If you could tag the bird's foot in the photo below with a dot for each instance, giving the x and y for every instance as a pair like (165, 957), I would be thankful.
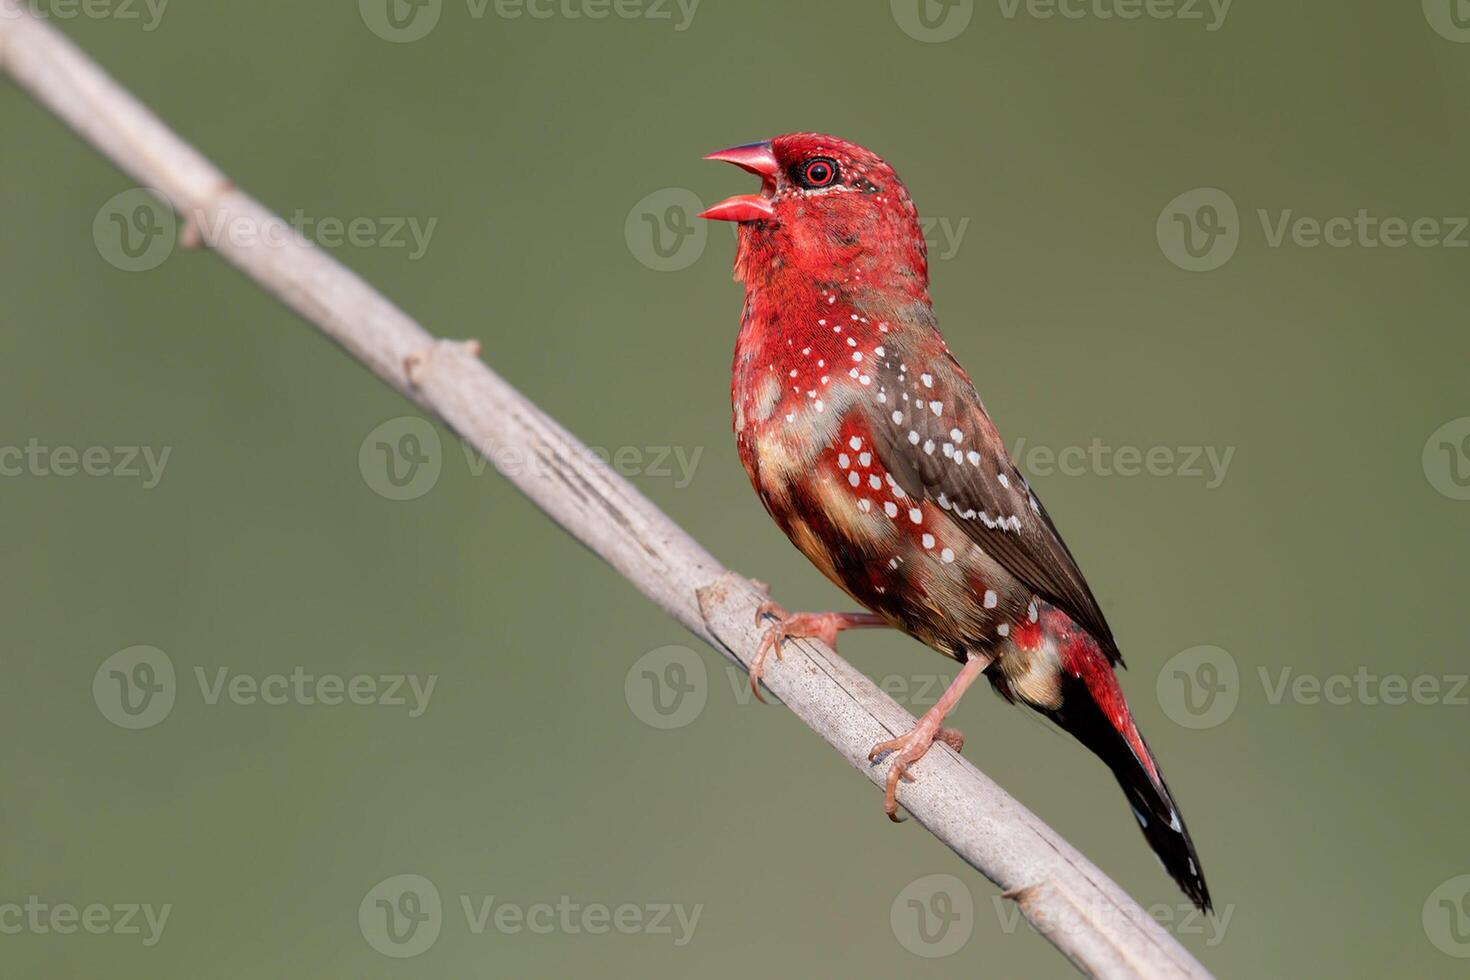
(909, 749)
(796, 626)
(912, 747)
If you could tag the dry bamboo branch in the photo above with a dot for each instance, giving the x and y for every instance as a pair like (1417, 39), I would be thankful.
(1073, 904)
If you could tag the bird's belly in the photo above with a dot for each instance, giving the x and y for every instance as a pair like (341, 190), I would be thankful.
(903, 558)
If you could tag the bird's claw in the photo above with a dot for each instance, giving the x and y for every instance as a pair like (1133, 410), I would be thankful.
(798, 626)
(910, 748)
(788, 626)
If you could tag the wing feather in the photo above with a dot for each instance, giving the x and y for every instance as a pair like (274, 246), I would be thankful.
(933, 434)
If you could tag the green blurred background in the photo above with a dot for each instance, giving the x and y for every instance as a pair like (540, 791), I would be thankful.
(549, 151)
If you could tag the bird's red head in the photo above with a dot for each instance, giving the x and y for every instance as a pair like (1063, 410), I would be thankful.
(828, 210)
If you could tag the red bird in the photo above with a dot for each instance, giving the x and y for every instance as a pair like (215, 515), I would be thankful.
(867, 443)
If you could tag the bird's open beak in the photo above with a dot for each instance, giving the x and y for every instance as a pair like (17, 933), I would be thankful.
(759, 160)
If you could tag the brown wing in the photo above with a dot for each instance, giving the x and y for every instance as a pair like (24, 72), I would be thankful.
(933, 435)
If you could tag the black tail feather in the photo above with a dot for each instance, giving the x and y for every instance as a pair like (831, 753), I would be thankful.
(1132, 763)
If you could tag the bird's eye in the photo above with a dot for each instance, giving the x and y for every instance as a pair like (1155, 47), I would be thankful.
(818, 172)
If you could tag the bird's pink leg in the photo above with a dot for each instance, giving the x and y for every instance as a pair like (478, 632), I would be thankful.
(910, 748)
(795, 626)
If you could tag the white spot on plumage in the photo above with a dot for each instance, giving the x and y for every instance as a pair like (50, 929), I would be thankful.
(947, 554)
(928, 380)
(929, 446)
(916, 515)
(897, 418)
(843, 460)
(928, 540)
(865, 505)
(957, 435)
(1003, 480)
(874, 482)
(855, 443)
(890, 508)
(991, 599)
(913, 437)
(865, 459)
(1004, 629)
(973, 457)
(854, 479)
